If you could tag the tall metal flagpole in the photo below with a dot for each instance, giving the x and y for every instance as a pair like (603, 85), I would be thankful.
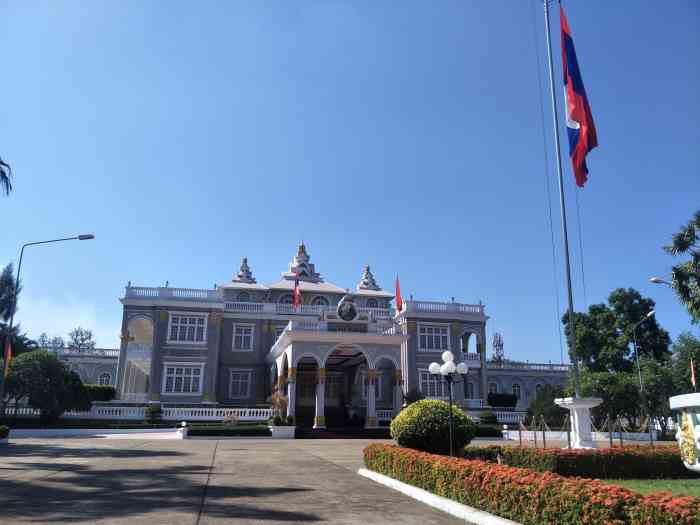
(555, 113)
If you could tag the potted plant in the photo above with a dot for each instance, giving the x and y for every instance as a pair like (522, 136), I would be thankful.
(4, 434)
(282, 428)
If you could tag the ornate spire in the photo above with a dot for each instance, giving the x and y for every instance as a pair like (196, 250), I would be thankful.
(302, 266)
(244, 275)
(367, 281)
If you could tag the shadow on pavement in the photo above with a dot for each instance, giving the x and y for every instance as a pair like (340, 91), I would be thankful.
(16, 450)
(72, 493)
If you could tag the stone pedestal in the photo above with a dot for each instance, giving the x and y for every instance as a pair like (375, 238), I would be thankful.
(580, 412)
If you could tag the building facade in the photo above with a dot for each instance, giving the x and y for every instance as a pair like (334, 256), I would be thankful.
(95, 366)
(340, 357)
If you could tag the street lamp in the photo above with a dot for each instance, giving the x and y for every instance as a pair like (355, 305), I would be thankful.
(639, 368)
(13, 303)
(659, 280)
(449, 371)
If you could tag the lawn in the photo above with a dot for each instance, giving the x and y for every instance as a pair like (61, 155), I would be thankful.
(681, 487)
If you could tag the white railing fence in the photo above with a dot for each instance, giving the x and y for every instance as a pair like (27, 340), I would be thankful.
(137, 413)
(385, 415)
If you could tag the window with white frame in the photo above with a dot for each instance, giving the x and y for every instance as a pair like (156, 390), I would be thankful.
(493, 388)
(372, 303)
(240, 383)
(469, 390)
(377, 386)
(182, 378)
(432, 385)
(104, 379)
(433, 337)
(187, 328)
(516, 390)
(243, 337)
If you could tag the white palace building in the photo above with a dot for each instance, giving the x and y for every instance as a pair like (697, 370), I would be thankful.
(342, 356)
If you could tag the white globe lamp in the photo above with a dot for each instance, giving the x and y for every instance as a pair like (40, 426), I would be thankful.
(462, 368)
(448, 356)
(434, 368)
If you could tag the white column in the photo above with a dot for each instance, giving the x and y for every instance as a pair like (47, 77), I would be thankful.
(398, 392)
(320, 418)
(291, 392)
(371, 420)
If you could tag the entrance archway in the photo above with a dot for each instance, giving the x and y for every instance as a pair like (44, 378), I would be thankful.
(307, 378)
(347, 376)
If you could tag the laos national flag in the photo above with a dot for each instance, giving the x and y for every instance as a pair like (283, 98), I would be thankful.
(579, 120)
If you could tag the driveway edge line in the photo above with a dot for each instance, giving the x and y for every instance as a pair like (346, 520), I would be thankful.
(465, 512)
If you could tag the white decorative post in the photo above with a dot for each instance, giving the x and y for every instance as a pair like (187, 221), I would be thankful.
(398, 392)
(320, 418)
(580, 411)
(291, 392)
(371, 420)
(449, 371)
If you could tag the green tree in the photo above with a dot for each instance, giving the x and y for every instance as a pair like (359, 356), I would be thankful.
(619, 392)
(685, 277)
(5, 177)
(7, 292)
(81, 339)
(604, 335)
(686, 347)
(543, 405)
(46, 384)
(658, 387)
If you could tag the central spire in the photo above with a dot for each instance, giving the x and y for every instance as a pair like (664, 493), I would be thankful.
(302, 267)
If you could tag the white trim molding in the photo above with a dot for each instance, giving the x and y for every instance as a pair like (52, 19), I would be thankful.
(188, 315)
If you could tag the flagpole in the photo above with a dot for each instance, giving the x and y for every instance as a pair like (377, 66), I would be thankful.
(555, 113)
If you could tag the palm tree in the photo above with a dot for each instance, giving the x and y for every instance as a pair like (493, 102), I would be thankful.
(5, 177)
(686, 276)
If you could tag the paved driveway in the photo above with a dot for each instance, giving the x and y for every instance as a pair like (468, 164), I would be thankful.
(197, 482)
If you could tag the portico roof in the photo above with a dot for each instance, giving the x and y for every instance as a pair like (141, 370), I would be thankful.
(307, 286)
(244, 286)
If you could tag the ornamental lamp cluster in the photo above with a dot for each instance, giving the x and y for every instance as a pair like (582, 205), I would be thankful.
(448, 367)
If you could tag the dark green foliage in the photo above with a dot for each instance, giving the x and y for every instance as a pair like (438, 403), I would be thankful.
(102, 393)
(495, 399)
(632, 462)
(686, 347)
(487, 431)
(153, 413)
(290, 421)
(277, 421)
(619, 392)
(424, 425)
(5, 177)
(543, 406)
(604, 334)
(487, 417)
(47, 384)
(7, 287)
(685, 277)
(4, 431)
(412, 396)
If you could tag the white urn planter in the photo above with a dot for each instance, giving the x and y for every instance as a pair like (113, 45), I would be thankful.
(286, 432)
(580, 411)
(688, 428)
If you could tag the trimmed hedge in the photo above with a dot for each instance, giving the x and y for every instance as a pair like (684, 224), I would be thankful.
(487, 417)
(424, 425)
(634, 462)
(501, 400)
(4, 431)
(100, 392)
(488, 431)
(529, 497)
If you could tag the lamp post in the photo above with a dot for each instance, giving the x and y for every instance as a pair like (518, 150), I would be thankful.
(449, 371)
(659, 280)
(13, 303)
(639, 368)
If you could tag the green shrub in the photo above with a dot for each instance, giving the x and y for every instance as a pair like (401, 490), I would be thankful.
(290, 421)
(153, 413)
(488, 431)
(634, 462)
(4, 431)
(102, 393)
(276, 421)
(529, 497)
(424, 425)
(502, 400)
(488, 418)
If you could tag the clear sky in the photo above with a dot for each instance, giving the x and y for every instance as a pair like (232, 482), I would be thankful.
(406, 135)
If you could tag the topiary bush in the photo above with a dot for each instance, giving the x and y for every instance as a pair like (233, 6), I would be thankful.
(4, 431)
(424, 425)
(488, 418)
(153, 413)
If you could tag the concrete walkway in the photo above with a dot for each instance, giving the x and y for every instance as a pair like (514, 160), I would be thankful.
(197, 481)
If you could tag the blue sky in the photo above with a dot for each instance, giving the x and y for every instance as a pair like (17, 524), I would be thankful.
(185, 135)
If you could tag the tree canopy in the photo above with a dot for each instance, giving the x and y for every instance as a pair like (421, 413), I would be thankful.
(5, 177)
(80, 339)
(685, 277)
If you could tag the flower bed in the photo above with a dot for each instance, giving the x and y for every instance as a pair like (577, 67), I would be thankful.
(635, 462)
(527, 496)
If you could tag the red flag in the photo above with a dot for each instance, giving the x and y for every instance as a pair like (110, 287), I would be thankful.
(399, 300)
(296, 300)
(8, 357)
(692, 375)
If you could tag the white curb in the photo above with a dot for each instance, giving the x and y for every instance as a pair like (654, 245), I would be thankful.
(469, 514)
